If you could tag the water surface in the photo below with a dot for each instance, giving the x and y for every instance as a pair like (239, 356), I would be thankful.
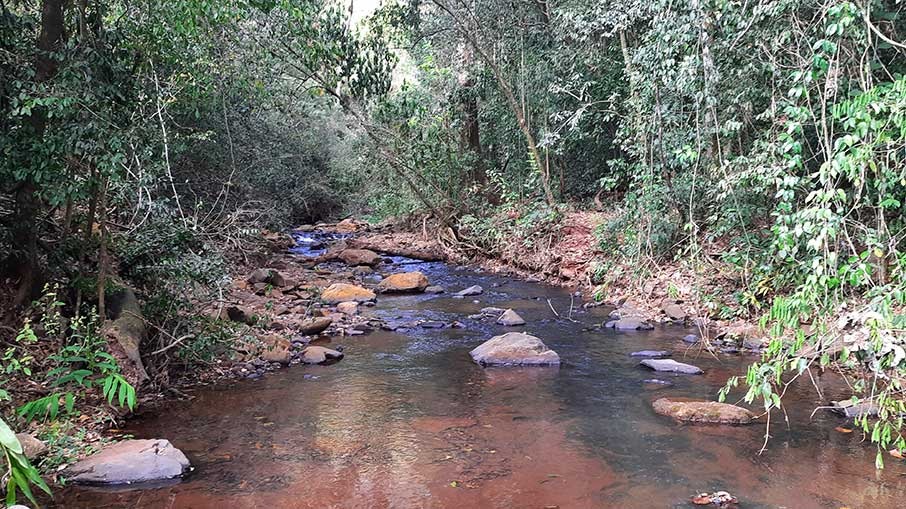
(406, 420)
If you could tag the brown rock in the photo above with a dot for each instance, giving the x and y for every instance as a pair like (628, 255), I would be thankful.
(360, 257)
(319, 355)
(703, 411)
(404, 282)
(276, 349)
(31, 446)
(314, 326)
(348, 308)
(343, 292)
(346, 226)
(241, 314)
(674, 311)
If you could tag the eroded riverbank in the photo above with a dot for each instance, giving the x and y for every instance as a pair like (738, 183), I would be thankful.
(406, 419)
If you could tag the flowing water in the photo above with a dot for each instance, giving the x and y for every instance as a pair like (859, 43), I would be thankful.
(406, 420)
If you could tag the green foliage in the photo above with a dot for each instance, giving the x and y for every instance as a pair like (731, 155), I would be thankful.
(20, 474)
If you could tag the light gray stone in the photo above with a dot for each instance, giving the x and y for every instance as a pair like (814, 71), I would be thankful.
(130, 461)
(514, 349)
(671, 366)
(510, 318)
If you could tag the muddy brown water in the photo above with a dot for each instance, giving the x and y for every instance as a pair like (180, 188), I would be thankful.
(406, 420)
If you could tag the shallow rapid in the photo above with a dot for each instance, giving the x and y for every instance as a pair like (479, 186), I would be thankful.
(407, 420)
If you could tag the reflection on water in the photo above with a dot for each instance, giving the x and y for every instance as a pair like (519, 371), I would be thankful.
(407, 421)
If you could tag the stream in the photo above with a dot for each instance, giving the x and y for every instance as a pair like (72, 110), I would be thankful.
(407, 420)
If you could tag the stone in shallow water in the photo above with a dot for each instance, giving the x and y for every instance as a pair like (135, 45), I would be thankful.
(130, 461)
(650, 353)
(510, 318)
(691, 338)
(849, 409)
(671, 366)
(514, 349)
(710, 412)
(404, 282)
(490, 310)
(470, 291)
(435, 289)
(319, 355)
(629, 324)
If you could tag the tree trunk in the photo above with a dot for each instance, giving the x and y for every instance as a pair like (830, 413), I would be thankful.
(512, 101)
(25, 230)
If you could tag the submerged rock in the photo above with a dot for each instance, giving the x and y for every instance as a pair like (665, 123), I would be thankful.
(650, 353)
(629, 324)
(671, 366)
(470, 291)
(319, 355)
(691, 338)
(514, 349)
(703, 411)
(314, 326)
(510, 318)
(403, 282)
(344, 292)
(435, 289)
(130, 461)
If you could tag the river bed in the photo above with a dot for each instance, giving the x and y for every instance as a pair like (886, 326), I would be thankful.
(406, 420)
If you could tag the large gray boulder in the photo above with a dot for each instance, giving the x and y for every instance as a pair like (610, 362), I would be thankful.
(130, 461)
(671, 366)
(514, 349)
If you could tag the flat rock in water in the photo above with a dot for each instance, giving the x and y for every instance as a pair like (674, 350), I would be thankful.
(403, 282)
(470, 291)
(344, 292)
(691, 338)
(434, 289)
(510, 318)
(130, 461)
(490, 310)
(849, 409)
(319, 355)
(514, 349)
(671, 366)
(710, 412)
(650, 353)
(629, 324)
(314, 326)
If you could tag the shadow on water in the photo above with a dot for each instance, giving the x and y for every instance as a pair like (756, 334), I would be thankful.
(406, 420)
